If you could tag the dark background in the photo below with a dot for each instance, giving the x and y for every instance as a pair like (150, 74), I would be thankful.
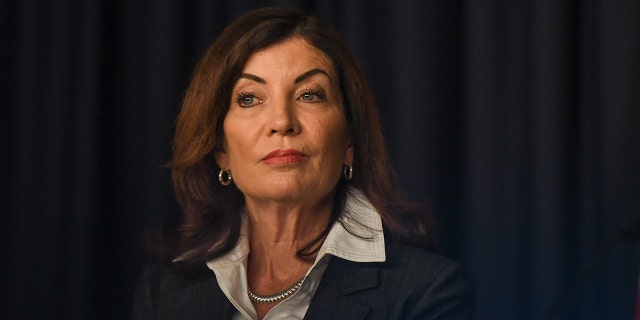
(517, 120)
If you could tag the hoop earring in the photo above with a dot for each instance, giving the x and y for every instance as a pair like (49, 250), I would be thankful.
(347, 172)
(225, 177)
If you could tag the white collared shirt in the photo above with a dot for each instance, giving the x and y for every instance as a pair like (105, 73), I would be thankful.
(366, 246)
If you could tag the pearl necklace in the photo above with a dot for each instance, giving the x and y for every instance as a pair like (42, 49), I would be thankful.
(276, 297)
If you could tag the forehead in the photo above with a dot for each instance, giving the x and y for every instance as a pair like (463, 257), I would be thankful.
(289, 56)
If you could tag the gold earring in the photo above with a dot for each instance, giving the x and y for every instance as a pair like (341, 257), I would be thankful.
(225, 177)
(347, 172)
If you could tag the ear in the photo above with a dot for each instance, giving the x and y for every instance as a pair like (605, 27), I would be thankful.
(222, 159)
(348, 155)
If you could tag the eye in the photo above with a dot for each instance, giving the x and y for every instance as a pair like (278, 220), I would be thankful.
(245, 99)
(312, 96)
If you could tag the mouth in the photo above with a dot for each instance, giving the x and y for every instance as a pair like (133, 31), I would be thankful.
(284, 156)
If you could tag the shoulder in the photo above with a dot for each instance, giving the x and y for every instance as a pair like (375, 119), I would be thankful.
(412, 283)
(162, 278)
(438, 287)
(424, 268)
(162, 293)
(409, 260)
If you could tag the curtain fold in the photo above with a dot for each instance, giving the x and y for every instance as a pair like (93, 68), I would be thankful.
(517, 121)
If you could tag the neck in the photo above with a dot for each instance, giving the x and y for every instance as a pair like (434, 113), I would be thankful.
(278, 231)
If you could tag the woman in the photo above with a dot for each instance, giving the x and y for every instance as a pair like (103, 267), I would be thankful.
(290, 206)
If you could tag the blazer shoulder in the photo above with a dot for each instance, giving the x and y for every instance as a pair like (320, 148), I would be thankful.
(164, 293)
(411, 283)
(413, 260)
(440, 287)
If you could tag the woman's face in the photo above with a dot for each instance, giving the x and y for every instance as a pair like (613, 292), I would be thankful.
(285, 132)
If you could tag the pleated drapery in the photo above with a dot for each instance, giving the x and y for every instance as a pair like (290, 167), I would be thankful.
(518, 121)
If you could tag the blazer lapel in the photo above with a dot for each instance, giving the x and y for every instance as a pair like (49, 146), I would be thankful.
(343, 291)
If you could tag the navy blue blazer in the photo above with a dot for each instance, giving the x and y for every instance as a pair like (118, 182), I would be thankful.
(411, 284)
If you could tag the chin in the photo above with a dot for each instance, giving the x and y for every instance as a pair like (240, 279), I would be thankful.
(290, 194)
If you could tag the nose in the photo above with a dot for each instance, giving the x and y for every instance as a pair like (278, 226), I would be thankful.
(284, 120)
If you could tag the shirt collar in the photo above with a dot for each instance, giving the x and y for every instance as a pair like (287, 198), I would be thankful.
(358, 237)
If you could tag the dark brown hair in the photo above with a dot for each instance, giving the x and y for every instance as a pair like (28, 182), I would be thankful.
(212, 219)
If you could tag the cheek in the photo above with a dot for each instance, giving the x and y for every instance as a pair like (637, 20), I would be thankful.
(235, 139)
(335, 137)
(339, 132)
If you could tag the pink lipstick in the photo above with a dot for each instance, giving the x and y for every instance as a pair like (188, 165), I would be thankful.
(284, 156)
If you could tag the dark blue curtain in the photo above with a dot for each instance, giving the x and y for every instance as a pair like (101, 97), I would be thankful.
(518, 121)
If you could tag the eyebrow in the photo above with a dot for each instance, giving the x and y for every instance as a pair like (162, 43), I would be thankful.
(253, 77)
(310, 73)
(299, 79)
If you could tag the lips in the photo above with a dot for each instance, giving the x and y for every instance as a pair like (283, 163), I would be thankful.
(284, 156)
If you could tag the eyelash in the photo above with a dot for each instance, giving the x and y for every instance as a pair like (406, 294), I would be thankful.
(320, 94)
(243, 95)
